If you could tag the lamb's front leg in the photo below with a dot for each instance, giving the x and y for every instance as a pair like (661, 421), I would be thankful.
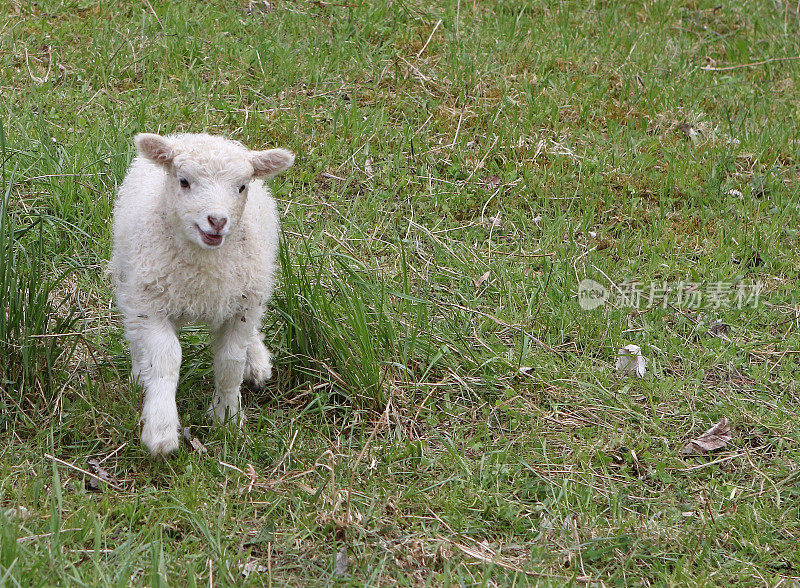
(230, 343)
(156, 361)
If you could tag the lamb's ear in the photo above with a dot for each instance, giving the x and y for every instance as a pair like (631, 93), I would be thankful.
(155, 147)
(271, 162)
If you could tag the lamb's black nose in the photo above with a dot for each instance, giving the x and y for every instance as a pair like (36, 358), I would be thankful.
(217, 223)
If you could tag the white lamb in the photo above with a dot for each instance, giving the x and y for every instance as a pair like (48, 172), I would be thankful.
(195, 240)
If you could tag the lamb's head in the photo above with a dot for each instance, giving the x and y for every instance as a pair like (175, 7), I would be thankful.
(207, 181)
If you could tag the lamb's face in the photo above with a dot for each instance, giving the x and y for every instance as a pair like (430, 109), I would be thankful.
(206, 207)
(208, 179)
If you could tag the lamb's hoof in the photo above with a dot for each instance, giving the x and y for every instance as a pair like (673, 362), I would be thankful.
(160, 442)
(258, 381)
(258, 368)
(222, 413)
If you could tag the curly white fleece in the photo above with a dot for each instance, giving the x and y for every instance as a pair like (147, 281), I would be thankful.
(195, 240)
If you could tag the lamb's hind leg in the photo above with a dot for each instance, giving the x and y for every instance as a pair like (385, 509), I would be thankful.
(258, 368)
(156, 360)
(230, 342)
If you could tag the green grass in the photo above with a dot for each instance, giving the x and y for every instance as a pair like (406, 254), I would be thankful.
(615, 141)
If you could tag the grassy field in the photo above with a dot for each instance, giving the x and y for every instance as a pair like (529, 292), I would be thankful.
(445, 412)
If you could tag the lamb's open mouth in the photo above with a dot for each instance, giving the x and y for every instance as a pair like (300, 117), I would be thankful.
(210, 239)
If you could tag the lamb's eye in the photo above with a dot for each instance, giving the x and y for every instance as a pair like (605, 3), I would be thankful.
(184, 183)
(242, 187)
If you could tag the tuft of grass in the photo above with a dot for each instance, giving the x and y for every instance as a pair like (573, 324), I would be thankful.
(331, 332)
(341, 338)
(36, 332)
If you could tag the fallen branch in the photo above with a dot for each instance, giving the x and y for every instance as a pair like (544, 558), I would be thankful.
(753, 64)
(84, 472)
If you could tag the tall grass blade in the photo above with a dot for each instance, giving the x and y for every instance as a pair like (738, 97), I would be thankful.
(31, 326)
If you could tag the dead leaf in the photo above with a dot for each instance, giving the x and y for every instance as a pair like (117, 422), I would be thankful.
(525, 371)
(482, 279)
(342, 562)
(19, 513)
(492, 222)
(251, 475)
(688, 131)
(258, 7)
(193, 442)
(251, 566)
(483, 552)
(99, 477)
(715, 438)
(719, 329)
(630, 360)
